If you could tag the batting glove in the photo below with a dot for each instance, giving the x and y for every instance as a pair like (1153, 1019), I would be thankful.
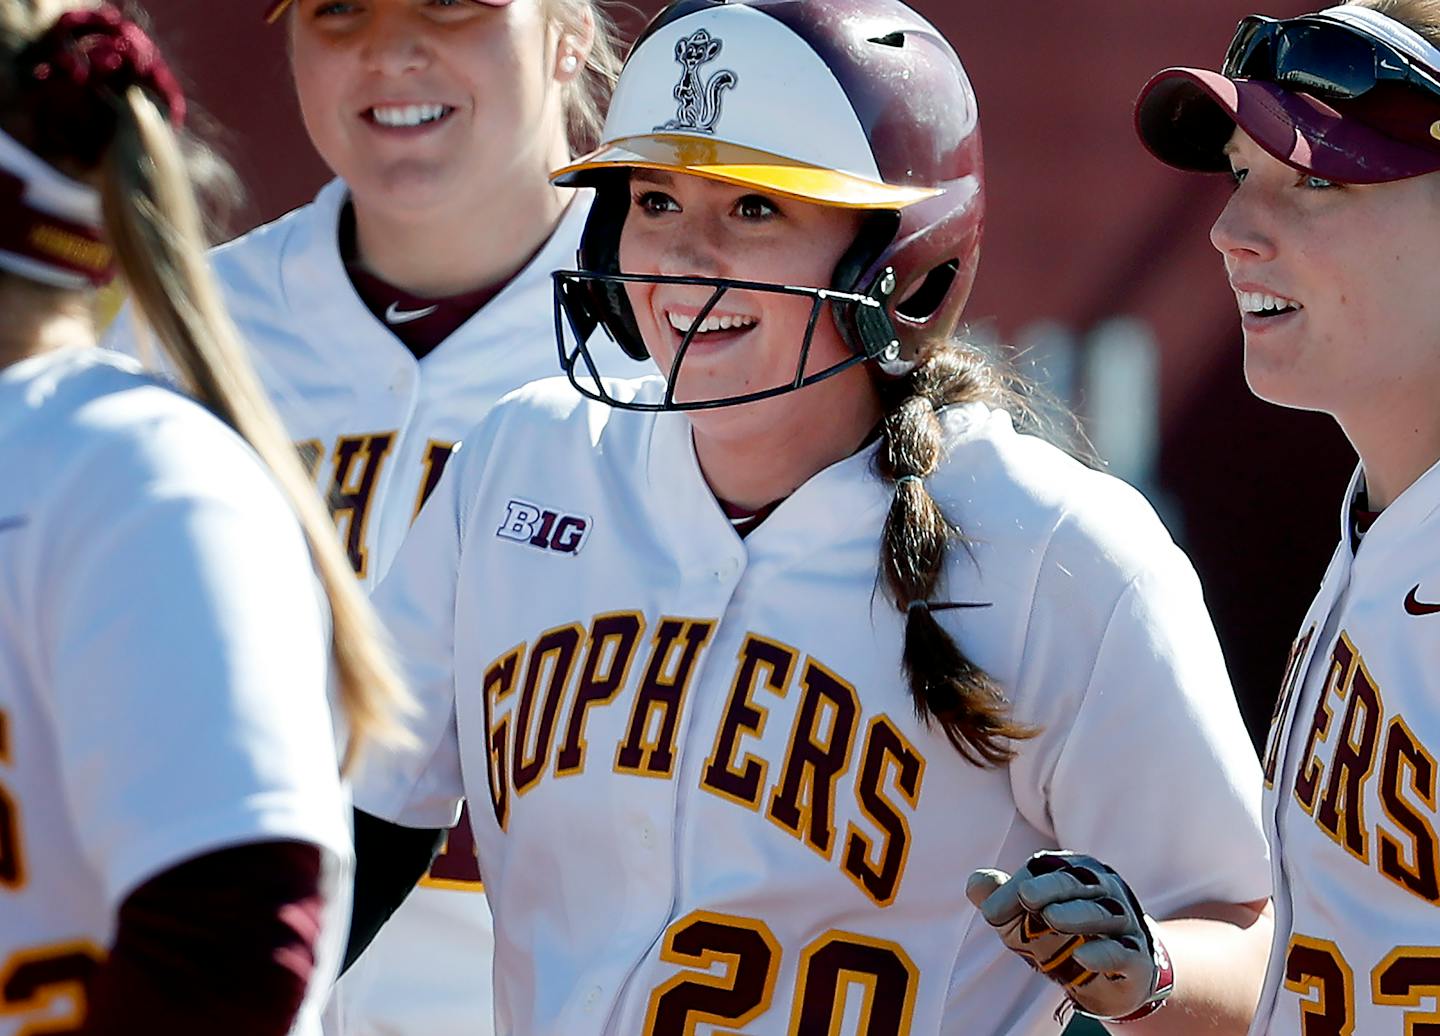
(1074, 920)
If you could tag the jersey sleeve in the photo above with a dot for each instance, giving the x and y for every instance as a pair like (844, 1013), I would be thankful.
(1142, 759)
(422, 787)
(187, 652)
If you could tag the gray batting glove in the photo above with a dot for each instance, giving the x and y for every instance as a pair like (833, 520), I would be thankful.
(1075, 920)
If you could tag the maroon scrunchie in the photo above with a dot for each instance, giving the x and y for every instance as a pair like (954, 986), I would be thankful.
(78, 71)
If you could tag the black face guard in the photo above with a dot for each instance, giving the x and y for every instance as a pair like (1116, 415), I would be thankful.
(575, 290)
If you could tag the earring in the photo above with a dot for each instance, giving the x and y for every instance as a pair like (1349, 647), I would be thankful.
(569, 63)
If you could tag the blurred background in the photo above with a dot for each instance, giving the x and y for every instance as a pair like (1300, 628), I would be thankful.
(1096, 265)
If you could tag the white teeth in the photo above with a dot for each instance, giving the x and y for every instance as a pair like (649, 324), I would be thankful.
(711, 323)
(1259, 302)
(408, 115)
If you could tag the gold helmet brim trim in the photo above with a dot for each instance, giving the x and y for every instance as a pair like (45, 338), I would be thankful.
(736, 164)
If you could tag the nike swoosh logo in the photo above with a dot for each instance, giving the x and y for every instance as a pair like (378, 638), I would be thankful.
(396, 315)
(18, 522)
(1415, 607)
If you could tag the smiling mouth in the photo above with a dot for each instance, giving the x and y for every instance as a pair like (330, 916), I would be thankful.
(1259, 304)
(712, 323)
(407, 116)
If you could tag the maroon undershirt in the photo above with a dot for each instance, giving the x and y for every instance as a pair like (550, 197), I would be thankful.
(223, 944)
(745, 521)
(1360, 522)
(421, 324)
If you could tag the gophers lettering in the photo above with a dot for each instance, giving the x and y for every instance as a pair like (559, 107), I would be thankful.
(538, 697)
(1349, 743)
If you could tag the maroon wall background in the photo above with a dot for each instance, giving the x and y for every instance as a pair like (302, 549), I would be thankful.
(1083, 226)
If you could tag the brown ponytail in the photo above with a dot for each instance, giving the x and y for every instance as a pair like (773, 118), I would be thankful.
(947, 687)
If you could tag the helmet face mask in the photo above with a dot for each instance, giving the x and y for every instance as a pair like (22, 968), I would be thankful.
(575, 291)
(856, 104)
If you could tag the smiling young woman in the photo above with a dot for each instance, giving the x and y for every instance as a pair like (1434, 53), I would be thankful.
(391, 312)
(1329, 124)
(815, 647)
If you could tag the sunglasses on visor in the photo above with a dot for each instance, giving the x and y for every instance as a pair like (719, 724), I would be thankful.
(1323, 58)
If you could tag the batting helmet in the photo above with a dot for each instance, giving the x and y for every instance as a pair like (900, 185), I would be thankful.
(859, 104)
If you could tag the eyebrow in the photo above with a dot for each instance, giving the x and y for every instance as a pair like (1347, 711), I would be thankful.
(652, 176)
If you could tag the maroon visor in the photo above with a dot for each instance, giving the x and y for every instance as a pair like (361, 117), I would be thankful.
(1186, 116)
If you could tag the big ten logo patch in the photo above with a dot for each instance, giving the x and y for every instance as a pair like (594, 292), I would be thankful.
(544, 527)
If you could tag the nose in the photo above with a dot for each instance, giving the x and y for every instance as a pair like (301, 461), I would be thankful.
(1241, 230)
(394, 44)
(698, 247)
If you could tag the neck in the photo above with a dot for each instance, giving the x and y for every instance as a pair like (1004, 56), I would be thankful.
(36, 324)
(753, 470)
(1395, 456)
(481, 245)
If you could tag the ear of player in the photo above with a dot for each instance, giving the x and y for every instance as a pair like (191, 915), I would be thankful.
(1076, 921)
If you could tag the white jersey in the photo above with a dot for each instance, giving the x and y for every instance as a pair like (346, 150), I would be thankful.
(699, 789)
(1350, 776)
(380, 425)
(164, 654)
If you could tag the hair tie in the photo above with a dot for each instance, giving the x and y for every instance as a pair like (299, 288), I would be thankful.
(80, 68)
(908, 478)
(944, 606)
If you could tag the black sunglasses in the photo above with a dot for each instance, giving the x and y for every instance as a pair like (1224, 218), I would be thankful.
(1321, 57)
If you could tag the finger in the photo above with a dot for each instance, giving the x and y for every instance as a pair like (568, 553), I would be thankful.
(1047, 861)
(1114, 960)
(994, 893)
(1039, 892)
(983, 883)
(1104, 916)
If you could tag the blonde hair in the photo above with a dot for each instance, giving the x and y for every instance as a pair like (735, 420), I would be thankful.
(1421, 15)
(587, 96)
(153, 220)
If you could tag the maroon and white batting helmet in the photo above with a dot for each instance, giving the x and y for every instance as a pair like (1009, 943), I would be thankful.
(858, 104)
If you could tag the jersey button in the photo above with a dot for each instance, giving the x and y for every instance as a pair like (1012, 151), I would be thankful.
(647, 835)
(729, 569)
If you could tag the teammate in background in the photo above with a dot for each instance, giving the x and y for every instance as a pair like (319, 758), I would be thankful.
(388, 315)
(1329, 124)
(746, 668)
(174, 852)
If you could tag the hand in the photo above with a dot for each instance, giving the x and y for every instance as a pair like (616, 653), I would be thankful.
(1075, 920)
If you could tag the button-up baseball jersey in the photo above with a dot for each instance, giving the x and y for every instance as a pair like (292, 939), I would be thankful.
(164, 654)
(700, 792)
(1350, 773)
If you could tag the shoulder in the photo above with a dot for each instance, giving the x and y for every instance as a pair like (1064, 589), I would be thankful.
(249, 266)
(99, 429)
(552, 408)
(547, 426)
(1003, 486)
(250, 271)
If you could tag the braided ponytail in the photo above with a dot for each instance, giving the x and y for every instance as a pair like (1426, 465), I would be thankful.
(947, 687)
